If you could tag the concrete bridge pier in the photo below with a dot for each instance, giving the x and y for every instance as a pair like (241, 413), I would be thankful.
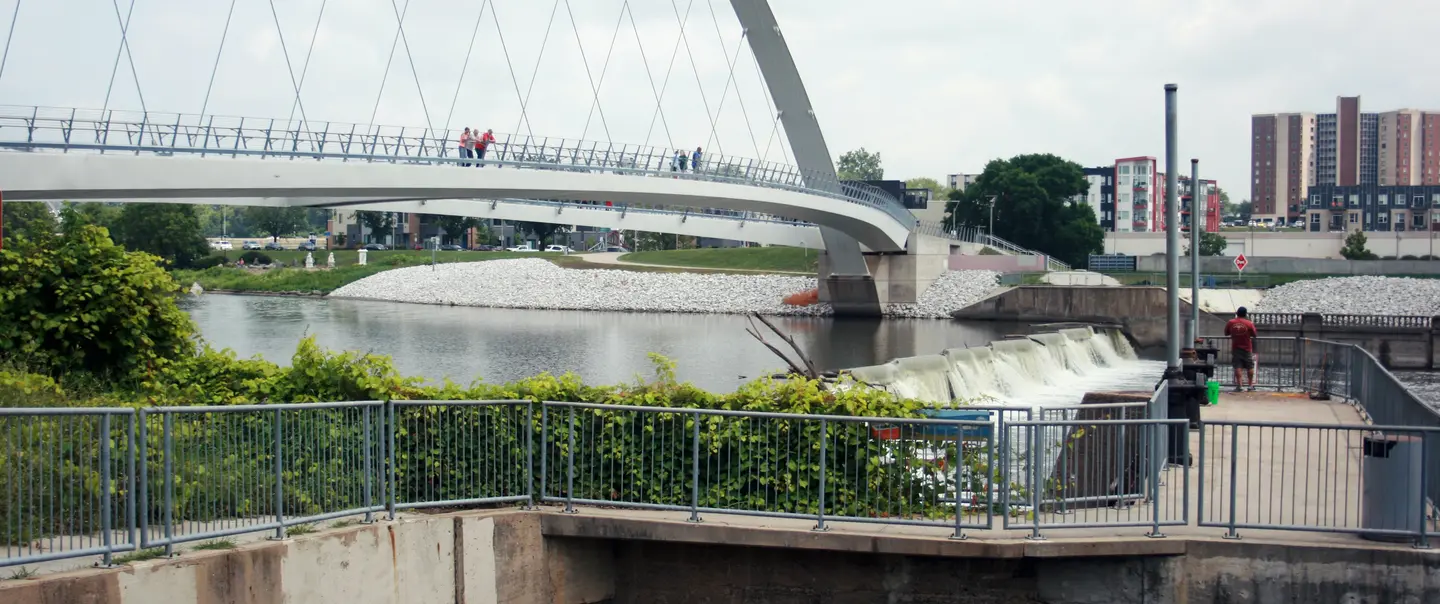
(894, 278)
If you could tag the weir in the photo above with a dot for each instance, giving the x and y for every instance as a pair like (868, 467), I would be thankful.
(1040, 369)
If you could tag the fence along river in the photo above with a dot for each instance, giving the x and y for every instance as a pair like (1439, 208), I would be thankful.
(1054, 368)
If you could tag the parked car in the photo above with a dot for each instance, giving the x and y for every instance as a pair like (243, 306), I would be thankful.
(487, 248)
(308, 246)
(274, 245)
(450, 247)
(250, 245)
(524, 248)
(221, 245)
(374, 247)
(563, 249)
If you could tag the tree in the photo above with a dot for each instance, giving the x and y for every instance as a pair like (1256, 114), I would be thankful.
(275, 221)
(1355, 247)
(377, 222)
(1034, 206)
(455, 226)
(83, 303)
(937, 190)
(103, 215)
(860, 165)
(1211, 244)
(168, 230)
(30, 219)
(541, 230)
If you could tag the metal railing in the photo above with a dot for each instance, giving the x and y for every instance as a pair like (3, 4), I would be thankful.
(1416, 322)
(975, 235)
(168, 134)
(98, 482)
(625, 208)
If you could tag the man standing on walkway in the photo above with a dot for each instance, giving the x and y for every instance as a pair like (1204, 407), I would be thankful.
(695, 161)
(484, 143)
(467, 144)
(1242, 348)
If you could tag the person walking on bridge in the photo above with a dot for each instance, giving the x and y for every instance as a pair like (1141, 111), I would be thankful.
(467, 146)
(482, 143)
(1242, 348)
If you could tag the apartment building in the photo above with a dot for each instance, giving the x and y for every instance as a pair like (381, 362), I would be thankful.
(1373, 208)
(1100, 196)
(960, 181)
(1129, 196)
(1293, 153)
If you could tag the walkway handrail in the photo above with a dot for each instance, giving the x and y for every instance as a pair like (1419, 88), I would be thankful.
(969, 234)
(69, 129)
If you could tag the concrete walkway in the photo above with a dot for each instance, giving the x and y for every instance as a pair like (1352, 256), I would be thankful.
(613, 258)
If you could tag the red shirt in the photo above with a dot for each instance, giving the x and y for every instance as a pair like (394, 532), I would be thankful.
(484, 140)
(1242, 334)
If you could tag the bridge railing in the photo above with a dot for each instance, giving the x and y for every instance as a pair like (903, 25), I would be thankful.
(84, 482)
(561, 204)
(969, 234)
(112, 131)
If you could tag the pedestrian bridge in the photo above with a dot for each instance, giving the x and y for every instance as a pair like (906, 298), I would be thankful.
(121, 156)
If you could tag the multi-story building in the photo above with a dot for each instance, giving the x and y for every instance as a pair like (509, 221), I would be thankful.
(1373, 207)
(1137, 207)
(960, 181)
(1101, 195)
(1291, 153)
(1209, 209)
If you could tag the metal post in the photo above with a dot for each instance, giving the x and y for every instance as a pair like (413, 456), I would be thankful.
(279, 478)
(1197, 230)
(1035, 482)
(545, 454)
(695, 471)
(959, 463)
(391, 458)
(570, 468)
(369, 516)
(1155, 469)
(130, 479)
(144, 505)
(1424, 541)
(1234, 476)
(824, 449)
(168, 436)
(1172, 240)
(530, 455)
(106, 537)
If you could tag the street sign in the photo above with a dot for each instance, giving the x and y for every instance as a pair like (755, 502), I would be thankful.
(1240, 262)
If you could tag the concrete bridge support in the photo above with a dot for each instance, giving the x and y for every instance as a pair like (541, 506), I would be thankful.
(896, 278)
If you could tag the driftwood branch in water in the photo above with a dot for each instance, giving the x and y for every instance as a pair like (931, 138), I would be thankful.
(808, 370)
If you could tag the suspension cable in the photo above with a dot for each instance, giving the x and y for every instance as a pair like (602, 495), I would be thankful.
(289, 67)
(386, 75)
(129, 56)
(115, 68)
(474, 32)
(305, 68)
(604, 68)
(514, 82)
(535, 73)
(668, 70)
(586, 61)
(224, 33)
(6, 56)
(648, 75)
(769, 103)
(699, 84)
(405, 41)
(734, 60)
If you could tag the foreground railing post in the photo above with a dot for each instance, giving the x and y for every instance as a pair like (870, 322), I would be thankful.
(695, 471)
(959, 463)
(391, 486)
(144, 505)
(1234, 477)
(545, 452)
(1035, 482)
(570, 467)
(130, 500)
(530, 455)
(824, 449)
(369, 501)
(1155, 469)
(278, 431)
(167, 434)
(1424, 541)
(106, 538)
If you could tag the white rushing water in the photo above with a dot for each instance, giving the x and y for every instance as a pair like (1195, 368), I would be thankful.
(1044, 369)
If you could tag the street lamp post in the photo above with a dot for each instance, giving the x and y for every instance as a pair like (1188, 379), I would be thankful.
(992, 214)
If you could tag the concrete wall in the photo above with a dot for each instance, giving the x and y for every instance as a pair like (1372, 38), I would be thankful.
(1004, 264)
(1290, 245)
(1139, 311)
(1225, 265)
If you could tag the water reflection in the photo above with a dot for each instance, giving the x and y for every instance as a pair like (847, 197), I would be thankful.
(499, 345)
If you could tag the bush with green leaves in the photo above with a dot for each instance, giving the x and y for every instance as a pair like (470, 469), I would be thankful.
(256, 257)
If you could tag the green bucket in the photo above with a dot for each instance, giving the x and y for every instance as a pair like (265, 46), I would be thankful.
(1212, 392)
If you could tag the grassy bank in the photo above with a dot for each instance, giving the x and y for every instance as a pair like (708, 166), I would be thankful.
(789, 259)
(293, 280)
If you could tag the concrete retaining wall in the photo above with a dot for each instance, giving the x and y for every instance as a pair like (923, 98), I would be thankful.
(1004, 264)
(1139, 311)
(1225, 265)
(1291, 245)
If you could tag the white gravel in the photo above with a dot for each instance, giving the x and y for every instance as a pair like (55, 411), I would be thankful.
(540, 284)
(1355, 296)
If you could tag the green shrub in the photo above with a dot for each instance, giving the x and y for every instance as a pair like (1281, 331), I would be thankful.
(209, 262)
(82, 303)
(256, 257)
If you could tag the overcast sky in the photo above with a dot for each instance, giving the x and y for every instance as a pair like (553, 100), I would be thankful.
(936, 86)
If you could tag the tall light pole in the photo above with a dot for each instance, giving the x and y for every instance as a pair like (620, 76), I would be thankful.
(992, 215)
(1172, 239)
(1197, 231)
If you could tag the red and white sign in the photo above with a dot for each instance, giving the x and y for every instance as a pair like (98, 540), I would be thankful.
(1240, 262)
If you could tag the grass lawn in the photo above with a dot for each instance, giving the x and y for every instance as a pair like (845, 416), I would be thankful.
(325, 281)
(791, 259)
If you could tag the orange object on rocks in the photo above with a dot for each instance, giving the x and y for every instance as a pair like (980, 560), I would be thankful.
(805, 298)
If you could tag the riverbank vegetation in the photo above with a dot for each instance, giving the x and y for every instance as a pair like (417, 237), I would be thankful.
(774, 258)
(85, 323)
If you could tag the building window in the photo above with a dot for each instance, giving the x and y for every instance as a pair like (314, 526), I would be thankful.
(1384, 199)
(1435, 199)
(1124, 215)
(1384, 219)
(1354, 200)
(1418, 201)
(1354, 218)
(1314, 218)
(1142, 169)
(1125, 168)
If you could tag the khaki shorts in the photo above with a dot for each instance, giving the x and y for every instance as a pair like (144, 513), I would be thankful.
(1242, 359)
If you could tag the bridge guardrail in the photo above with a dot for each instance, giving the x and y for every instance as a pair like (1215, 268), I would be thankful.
(68, 129)
(651, 209)
(970, 234)
(87, 482)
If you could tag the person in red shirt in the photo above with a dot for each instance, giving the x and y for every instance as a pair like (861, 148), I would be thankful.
(1242, 348)
(482, 143)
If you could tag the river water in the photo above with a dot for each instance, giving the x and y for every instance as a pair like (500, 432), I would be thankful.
(501, 345)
